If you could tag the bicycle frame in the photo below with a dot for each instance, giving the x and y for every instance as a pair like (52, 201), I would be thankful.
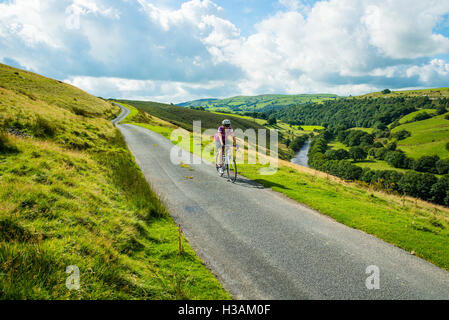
(227, 154)
(228, 163)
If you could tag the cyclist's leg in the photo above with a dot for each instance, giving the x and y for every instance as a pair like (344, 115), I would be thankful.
(220, 153)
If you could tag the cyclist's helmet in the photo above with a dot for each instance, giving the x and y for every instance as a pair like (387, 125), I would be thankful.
(226, 122)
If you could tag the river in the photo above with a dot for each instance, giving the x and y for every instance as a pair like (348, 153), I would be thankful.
(302, 157)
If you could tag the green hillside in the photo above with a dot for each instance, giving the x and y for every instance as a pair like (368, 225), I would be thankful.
(428, 137)
(258, 103)
(72, 195)
(435, 93)
(184, 117)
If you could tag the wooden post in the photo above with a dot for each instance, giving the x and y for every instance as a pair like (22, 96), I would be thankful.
(180, 247)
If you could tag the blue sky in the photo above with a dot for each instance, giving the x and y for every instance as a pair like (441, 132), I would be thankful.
(174, 50)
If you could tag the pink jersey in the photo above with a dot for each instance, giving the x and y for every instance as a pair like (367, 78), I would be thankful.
(224, 132)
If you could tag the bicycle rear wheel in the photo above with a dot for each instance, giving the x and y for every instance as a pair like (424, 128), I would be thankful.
(232, 170)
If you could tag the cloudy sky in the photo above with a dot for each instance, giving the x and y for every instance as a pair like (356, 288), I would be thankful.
(175, 51)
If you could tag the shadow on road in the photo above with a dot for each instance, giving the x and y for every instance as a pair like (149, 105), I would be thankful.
(248, 183)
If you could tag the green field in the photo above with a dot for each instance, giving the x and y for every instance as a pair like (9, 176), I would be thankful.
(378, 165)
(71, 194)
(428, 137)
(431, 93)
(367, 130)
(337, 145)
(410, 116)
(258, 103)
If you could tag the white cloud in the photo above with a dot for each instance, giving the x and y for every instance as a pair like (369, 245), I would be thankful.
(436, 69)
(142, 49)
(26, 20)
(336, 45)
(163, 91)
(291, 4)
(404, 28)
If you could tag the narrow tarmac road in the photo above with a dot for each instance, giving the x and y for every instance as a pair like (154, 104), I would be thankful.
(262, 245)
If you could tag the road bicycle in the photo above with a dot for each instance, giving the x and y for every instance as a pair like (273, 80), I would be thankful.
(229, 163)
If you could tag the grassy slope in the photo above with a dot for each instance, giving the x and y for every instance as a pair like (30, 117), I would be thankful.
(255, 103)
(429, 137)
(410, 116)
(71, 194)
(432, 93)
(184, 118)
(408, 223)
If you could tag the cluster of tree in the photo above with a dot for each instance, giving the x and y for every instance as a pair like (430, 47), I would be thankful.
(257, 115)
(398, 159)
(349, 113)
(299, 142)
(353, 138)
(425, 186)
(272, 121)
(197, 108)
(401, 135)
(421, 116)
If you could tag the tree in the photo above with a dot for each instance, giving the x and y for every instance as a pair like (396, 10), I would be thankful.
(442, 166)
(418, 185)
(348, 171)
(439, 191)
(378, 145)
(298, 142)
(357, 153)
(386, 91)
(272, 121)
(441, 110)
(421, 116)
(380, 153)
(426, 164)
(357, 137)
(392, 146)
(397, 159)
(401, 135)
(340, 154)
(380, 126)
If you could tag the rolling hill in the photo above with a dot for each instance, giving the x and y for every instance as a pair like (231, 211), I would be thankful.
(184, 117)
(434, 93)
(258, 103)
(428, 137)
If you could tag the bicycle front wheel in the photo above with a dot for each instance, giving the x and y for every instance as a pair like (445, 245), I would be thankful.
(232, 170)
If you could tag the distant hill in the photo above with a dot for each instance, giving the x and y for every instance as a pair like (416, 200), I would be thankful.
(431, 93)
(258, 103)
(197, 103)
(184, 117)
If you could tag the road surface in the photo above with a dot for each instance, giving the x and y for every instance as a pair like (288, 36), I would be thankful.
(262, 245)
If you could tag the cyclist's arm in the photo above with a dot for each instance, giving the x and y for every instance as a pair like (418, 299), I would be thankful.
(235, 140)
